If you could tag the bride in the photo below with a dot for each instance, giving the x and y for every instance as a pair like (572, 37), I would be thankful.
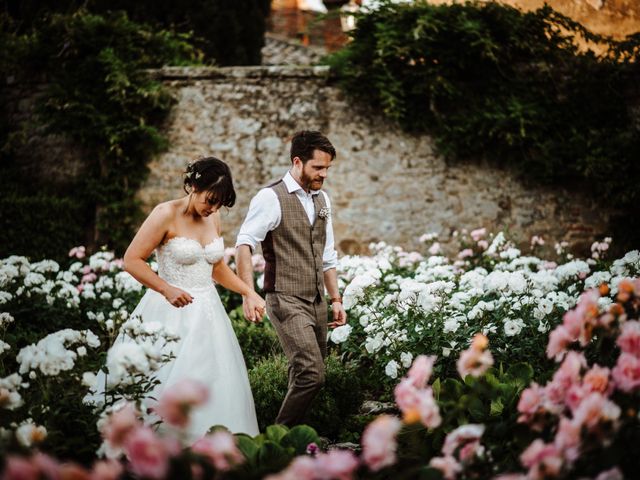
(185, 233)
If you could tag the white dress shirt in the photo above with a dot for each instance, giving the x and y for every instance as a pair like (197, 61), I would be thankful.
(265, 214)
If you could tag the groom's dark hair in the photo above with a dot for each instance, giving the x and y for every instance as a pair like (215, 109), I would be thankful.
(305, 142)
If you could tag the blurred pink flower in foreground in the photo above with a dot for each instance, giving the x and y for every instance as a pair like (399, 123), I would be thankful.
(448, 466)
(543, 460)
(120, 424)
(466, 440)
(335, 464)
(476, 359)
(379, 442)
(415, 398)
(148, 454)
(179, 399)
(220, 448)
(106, 470)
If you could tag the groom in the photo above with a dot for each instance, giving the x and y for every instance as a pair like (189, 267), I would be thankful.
(292, 220)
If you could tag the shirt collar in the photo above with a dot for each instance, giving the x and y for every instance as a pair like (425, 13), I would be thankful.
(293, 186)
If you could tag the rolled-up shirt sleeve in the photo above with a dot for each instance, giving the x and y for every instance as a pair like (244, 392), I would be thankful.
(263, 216)
(329, 255)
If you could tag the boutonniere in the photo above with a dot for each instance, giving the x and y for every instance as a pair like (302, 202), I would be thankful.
(325, 212)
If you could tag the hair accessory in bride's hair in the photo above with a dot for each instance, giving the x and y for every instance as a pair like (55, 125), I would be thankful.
(324, 212)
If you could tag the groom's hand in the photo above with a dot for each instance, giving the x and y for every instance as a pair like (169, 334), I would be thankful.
(253, 307)
(339, 315)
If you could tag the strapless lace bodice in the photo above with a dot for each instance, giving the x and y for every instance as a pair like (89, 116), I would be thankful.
(183, 262)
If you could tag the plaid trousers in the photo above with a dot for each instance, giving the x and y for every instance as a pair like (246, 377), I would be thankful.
(301, 326)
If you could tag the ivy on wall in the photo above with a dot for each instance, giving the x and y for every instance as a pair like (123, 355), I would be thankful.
(487, 80)
(98, 97)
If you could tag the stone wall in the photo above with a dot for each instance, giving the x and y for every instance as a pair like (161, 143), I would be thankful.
(385, 184)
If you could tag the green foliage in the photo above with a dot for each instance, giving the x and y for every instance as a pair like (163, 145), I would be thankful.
(340, 397)
(41, 226)
(257, 341)
(272, 450)
(228, 32)
(490, 400)
(100, 98)
(489, 81)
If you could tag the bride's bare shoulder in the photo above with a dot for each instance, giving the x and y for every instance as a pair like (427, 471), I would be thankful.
(165, 211)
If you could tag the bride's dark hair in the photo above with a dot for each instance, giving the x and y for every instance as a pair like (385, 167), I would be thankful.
(212, 175)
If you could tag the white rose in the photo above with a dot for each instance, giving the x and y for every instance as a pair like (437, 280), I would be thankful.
(341, 333)
(406, 358)
(29, 434)
(392, 369)
(89, 379)
(513, 327)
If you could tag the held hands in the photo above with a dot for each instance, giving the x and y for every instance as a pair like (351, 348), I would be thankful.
(177, 297)
(253, 307)
(339, 315)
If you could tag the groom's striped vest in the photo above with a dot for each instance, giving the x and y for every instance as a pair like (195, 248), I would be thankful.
(293, 250)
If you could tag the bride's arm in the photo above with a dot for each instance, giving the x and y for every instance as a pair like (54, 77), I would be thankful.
(150, 235)
(223, 275)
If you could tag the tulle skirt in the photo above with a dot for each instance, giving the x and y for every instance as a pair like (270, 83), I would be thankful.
(208, 352)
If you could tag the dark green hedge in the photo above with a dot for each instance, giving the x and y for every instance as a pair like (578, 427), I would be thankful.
(228, 32)
(40, 226)
(488, 81)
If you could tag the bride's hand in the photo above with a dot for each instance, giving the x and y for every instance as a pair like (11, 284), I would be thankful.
(177, 297)
(253, 307)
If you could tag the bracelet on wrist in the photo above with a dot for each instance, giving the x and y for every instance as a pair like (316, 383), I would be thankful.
(336, 300)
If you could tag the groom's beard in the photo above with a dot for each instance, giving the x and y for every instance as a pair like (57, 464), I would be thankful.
(311, 183)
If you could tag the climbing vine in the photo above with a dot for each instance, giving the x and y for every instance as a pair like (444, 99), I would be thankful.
(488, 81)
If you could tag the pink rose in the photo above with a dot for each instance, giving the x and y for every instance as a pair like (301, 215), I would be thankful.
(148, 455)
(447, 465)
(229, 253)
(559, 339)
(19, 468)
(566, 376)
(72, 471)
(567, 439)
(597, 380)
(89, 278)
(421, 370)
(177, 401)
(258, 263)
(379, 442)
(467, 252)
(594, 409)
(406, 396)
(220, 448)
(336, 464)
(572, 322)
(626, 373)
(428, 409)
(531, 402)
(629, 339)
(542, 460)
(474, 362)
(78, 252)
(483, 244)
(301, 468)
(464, 436)
(478, 233)
(119, 424)
(106, 470)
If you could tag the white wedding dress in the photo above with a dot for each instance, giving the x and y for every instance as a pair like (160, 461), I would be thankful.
(208, 350)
